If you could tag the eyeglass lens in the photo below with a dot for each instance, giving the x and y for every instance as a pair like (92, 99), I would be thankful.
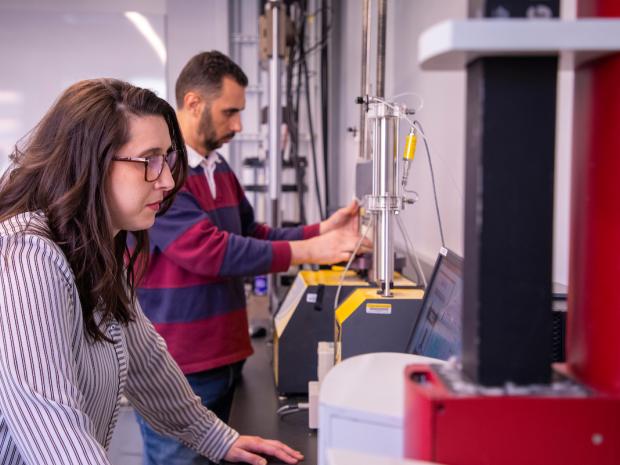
(155, 165)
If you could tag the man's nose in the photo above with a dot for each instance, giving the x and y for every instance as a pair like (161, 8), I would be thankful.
(235, 123)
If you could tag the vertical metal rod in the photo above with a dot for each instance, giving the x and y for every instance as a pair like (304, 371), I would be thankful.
(376, 175)
(387, 252)
(386, 190)
(275, 115)
(364, 90)
(381, 32)
(275, 124)
(235, 54)
(384, 186)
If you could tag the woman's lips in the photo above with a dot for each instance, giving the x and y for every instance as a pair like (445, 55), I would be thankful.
(153, 206)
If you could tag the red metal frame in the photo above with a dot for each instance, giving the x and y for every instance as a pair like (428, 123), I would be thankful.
(451, 429)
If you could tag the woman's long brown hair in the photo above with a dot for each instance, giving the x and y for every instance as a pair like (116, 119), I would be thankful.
(62, 171)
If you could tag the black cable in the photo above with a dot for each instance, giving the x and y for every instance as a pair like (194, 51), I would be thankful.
(292, 122)
(302, 67)
(430, 164)
(312, 142)
(324, 100)
(323, 39)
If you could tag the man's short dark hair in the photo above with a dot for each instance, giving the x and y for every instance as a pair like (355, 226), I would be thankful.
(205, 72)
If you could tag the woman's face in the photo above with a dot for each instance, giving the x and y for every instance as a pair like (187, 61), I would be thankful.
(133, 201)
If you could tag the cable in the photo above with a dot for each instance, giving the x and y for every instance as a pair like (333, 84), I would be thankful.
(430, 164)
(320, 43)
(324, 102)
(293, 121)
(351, 258)
(292, 408)
(414, 263)
(417, 125)
(312, 141)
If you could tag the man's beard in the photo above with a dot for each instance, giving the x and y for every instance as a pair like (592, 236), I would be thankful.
(210, 141)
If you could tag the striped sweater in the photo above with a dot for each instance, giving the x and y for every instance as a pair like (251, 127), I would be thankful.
(201, 249)
(59, 391)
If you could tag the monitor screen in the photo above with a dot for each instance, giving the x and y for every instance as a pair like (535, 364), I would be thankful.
(437, 333)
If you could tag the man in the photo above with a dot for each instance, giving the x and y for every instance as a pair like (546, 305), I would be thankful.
(208, 241)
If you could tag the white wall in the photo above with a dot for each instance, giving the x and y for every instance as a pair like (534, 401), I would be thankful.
(443, 118)
(46, 46)
(193, 26)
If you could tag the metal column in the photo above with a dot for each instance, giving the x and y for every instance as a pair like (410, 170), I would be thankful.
(275, 114)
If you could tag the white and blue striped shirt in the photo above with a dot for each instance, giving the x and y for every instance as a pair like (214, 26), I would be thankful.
(59, 390)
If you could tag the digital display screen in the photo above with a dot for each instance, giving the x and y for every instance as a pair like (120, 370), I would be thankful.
(437, 332)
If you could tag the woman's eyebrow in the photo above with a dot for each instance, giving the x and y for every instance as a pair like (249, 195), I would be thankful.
(153, 151)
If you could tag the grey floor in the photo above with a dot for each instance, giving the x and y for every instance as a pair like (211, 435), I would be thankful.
(126, 445)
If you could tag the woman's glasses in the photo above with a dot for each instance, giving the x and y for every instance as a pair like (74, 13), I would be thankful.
(153, 165)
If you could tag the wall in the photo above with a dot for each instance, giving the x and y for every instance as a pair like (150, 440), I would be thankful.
(46, 46)
(193, 26)
(443, 118)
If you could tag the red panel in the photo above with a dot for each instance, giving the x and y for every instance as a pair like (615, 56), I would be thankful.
(593, 348)
(418, 417)
(603, 8)
(607, 8)
(510, 430)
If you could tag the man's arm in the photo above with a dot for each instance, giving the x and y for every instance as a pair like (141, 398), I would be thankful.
(252, 228)
(187, 237)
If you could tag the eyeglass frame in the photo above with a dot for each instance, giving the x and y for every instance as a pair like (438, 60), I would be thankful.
(145, 160)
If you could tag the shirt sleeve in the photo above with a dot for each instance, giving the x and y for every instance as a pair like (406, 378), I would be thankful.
(39, 395)
(159, 391)
(252, 228)
(186, 236)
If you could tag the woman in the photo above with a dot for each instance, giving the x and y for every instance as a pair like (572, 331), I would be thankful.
(103, 161)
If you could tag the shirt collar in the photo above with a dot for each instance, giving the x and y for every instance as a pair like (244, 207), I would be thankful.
(194, 159)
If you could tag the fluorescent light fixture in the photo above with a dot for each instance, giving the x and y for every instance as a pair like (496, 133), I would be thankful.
(10, 97)
(143, 25)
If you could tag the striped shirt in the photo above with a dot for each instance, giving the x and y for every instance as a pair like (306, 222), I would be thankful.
(59, 390)
(201, 249)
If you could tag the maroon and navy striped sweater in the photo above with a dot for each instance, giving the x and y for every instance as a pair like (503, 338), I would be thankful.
(200, 251)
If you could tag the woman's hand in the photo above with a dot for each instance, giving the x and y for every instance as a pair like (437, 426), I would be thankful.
(246, 448)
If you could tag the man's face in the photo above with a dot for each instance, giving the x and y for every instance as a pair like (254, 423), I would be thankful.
(221, 119)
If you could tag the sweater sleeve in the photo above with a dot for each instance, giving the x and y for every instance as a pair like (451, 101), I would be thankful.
(187, 237)
(257, 230)
(160, 392)
(40, 399)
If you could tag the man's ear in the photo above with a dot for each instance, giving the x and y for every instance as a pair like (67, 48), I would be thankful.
(193, 102)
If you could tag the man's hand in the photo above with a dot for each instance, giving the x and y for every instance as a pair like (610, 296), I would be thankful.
(246, 448)
(333, 247)
(346, 217)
